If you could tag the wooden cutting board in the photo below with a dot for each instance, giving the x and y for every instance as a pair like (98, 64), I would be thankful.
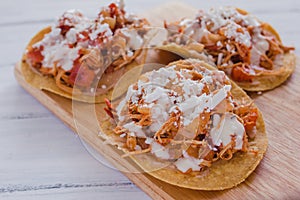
(278, 175)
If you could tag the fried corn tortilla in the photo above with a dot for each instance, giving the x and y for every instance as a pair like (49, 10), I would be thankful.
(259, 78)
(222, 174)
(185, 52)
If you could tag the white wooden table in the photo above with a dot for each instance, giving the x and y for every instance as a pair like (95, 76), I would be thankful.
(40, 158)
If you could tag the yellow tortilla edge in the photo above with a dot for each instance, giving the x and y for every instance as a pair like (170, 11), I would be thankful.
(271, 79)
(185, 52)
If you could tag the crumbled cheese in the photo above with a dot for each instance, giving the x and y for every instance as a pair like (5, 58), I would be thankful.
(71, 36)
(207, 79)
(219, 44)
(100, 28)
(228, 47)
(160, 151)
(135, 129)
(157, 93)
(218, 17)
(250, 20)
(225, 129)
(192, 107)
(220, 57)
(159, 111)
(162, 76)
(135, 41)
(74, 17)
(216, 120)
(191, 88)
(61, 54)
(231, 32)
(187, 162)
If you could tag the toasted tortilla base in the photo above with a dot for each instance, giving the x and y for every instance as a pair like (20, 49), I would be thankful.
(47, 83)
(185, 53)
(222, 174)
(267, 80)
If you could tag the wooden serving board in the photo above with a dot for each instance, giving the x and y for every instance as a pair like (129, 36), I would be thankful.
(278, 175)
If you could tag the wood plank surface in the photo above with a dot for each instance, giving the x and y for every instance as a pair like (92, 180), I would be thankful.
(277, 175)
